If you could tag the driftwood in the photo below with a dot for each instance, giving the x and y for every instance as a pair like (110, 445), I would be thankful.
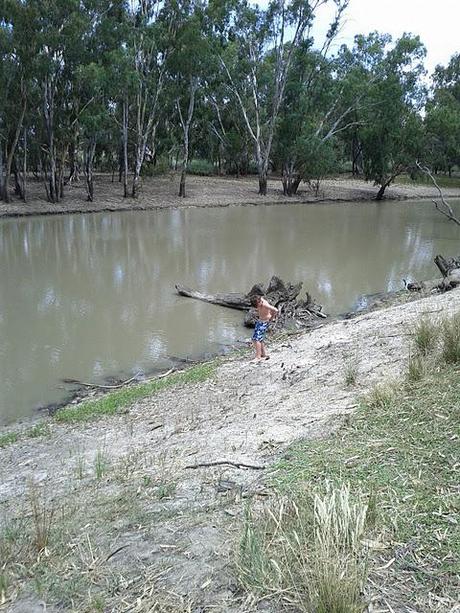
(450, 270)
(233, 301)
(292, 310)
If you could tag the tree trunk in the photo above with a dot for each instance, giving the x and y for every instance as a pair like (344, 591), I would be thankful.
(182, 184)
(125, 148)
(1, 172)
(263, 184)
(24, 167)
(295, 184)
(381, 191)
(89, 158)
(10, 154)
(186, 131)
(292, 310)
(17, 182)
(290, 179)
(230, 300)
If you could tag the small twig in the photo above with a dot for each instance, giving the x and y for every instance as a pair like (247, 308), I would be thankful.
(165, 374)
(115, 552)
(223, 462)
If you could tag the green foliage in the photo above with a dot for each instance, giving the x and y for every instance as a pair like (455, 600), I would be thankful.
(70, 68)
(201, 167)
(8, 438)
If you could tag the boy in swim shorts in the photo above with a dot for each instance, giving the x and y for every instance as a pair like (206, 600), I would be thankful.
(266, 313)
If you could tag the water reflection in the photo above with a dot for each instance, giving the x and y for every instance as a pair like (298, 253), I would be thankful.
(88, 296)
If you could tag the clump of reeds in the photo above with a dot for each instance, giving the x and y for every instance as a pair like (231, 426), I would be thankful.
(42, 518)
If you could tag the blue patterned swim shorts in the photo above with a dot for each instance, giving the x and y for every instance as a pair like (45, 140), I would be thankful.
(259, 331)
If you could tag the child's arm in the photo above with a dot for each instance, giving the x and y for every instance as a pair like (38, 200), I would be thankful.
(271, 308)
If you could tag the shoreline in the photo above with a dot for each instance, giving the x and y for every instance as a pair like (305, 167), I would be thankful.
(210, 192)
(82, 392)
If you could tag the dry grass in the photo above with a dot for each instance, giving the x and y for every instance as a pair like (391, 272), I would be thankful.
(307, 552)
(42, 518)
(402, 448)
(426, 336)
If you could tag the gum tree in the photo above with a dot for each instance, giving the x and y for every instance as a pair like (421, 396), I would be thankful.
(257, 59)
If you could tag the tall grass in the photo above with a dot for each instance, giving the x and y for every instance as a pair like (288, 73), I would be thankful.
(450, 339)
(42, 518)
(426, 335)
(308, 551)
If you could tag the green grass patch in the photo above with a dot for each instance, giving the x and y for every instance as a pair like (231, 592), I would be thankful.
(38, 431)
(402, 449)
(113, 402)
(8, 438)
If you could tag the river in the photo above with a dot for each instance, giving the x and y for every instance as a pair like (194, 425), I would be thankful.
(92, 296)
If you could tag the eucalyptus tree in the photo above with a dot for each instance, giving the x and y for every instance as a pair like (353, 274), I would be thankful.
(442, 120)
(320, 103)
(257, 59)
(391, 128)
(148, 49)
(17, 48)
(186, 67)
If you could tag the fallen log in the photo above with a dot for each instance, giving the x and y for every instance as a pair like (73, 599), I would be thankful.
(450, 270)
(232, 301)
(292, 311)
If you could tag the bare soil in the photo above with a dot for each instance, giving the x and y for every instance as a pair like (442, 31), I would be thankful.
(162, 192)
(134, 522)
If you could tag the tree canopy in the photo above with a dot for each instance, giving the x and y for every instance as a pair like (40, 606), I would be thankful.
(112, 85)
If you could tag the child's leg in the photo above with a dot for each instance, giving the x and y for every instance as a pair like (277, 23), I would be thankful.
(258, 348)
(263, 353)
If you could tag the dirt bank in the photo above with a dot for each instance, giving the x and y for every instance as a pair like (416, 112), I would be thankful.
(161, 192)
(134, 525)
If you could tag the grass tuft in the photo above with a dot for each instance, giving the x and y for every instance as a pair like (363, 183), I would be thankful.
(450, 339)
(350, 374)
(8, 438)
(42, 518)
(381, 396)
(308, 548)
(426, 334)
(101, 464)
(417, 368)
(38, 430)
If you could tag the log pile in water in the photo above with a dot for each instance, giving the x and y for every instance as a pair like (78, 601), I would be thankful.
(294, 312)
(450, 270)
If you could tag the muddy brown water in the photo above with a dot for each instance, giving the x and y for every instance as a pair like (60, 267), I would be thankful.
(92, 296)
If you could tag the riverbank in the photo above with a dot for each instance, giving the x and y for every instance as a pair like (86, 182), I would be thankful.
(161, 192)
(143, 510)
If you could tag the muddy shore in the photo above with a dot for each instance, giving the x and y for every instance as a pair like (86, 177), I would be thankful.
(161, 192)
(127, 484)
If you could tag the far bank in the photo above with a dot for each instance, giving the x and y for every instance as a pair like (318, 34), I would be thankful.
(207, 191)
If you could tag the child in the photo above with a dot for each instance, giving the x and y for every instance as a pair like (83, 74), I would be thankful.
(266, 312)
